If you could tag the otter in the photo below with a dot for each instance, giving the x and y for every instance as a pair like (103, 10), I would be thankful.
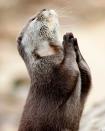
(60, 77)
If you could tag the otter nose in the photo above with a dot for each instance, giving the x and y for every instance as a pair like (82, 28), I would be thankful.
(52, 12)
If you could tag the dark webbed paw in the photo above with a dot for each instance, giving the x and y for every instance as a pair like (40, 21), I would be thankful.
(69, 52)
(67, 37)
(75, 44)
(77, 51)
(70, 41)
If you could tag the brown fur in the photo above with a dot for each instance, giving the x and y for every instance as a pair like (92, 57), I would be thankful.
(59, 86)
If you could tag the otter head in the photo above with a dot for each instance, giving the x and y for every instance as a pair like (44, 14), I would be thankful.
(40, 32)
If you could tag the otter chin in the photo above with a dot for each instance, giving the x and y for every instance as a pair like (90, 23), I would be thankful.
(41, 31)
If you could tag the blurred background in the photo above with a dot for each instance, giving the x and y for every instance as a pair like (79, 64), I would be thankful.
(86, 19)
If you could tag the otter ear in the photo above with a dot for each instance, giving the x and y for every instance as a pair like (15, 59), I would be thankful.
(19, 39)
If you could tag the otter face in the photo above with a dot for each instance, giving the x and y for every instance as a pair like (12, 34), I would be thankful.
(40, 32)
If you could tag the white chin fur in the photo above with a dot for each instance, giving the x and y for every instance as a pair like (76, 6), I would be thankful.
(31, 39)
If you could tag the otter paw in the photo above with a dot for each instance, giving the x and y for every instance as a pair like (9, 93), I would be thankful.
(77, 51)
(76, 48)
(67, 37)
(68, 41)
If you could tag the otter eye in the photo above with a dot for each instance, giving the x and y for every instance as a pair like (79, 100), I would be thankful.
(44, 9)
(32, 18)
